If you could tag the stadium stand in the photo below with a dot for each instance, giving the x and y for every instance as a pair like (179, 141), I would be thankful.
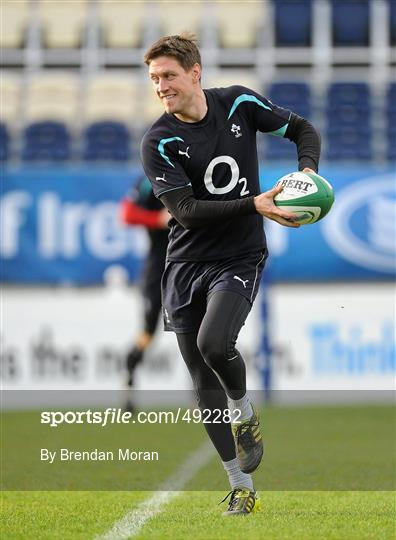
(349, 121)
(51, 112)
(10, 98)
(293, 22)
(310, 56)
(14, 21)
(228, 77)
(109, 141)
(238, 23)
(46, 141)
(122, 23)
(392, 22)
(63, 23)
(173, 17)
(350, 23)
(4, 142)
(391, 121)
(110, 97)
(52, 96)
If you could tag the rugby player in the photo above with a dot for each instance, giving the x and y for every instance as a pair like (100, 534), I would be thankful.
(201, 159)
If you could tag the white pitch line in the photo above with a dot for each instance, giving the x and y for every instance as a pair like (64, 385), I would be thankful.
(134, 520)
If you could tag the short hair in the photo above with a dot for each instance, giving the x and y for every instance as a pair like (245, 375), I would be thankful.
(183, 47)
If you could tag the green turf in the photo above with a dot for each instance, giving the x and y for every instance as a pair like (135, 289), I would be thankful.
(197, 516)
(307, 448)
(284, 516)
(331, 451)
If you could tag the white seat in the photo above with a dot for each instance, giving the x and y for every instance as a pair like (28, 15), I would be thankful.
(10, 98)
(122, 22)
(111, 97)
(52, 96)
(176, 17)
(63, 22)
(238, 22)
(14, 15)
(234, 77)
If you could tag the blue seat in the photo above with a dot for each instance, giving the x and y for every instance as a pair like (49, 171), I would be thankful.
(390, 112)
(350, 20)
(4, 142)
(348, 113)
(293, 23)
(391, 97)
(278, 148)
(48, 141)
(349, 142)
(349, 93)
(295, 96)
(109, 141)
(392, 21)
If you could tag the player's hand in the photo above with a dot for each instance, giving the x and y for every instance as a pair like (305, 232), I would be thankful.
(265, 206)
(308, 170)
(164, 218)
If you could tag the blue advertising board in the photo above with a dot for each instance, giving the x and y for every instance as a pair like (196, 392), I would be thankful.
(61, 225)
(355, 241)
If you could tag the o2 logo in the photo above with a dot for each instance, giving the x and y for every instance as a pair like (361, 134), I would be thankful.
(208, 179)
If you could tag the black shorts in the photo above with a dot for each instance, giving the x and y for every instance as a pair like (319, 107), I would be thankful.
(187, 287)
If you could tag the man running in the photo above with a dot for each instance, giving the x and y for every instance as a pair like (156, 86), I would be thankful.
(201, 159)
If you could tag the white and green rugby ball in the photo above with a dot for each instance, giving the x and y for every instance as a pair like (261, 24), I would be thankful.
(307, 195)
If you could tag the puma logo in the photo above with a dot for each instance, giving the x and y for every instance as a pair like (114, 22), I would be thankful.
(184, 153)
(243, 281)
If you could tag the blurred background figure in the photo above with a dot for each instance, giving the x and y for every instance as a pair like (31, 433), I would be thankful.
(141, 207)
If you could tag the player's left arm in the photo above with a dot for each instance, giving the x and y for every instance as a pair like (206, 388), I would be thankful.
(269, 118)
(307, 140)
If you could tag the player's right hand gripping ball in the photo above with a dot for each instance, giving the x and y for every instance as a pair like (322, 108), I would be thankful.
(307, 195)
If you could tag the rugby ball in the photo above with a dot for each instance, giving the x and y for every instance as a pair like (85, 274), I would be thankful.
(307, 195)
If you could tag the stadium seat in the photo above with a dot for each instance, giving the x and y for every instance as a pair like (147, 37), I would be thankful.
(52, 96)
(355, 93)
(238, 22)
(295, 96)
(231, 77)
(293, 20)
(4, 142)
(111, 97)
(173, 16)
(348, 114)
(277, 148)
(390, 113)
(109, 141)
(392, 22)
(46, 141)
(63, 22)
(10, 98)
(13, 23)
(350, 20)
(122, 23)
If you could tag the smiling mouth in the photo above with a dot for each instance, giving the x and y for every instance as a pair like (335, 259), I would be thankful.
(168, 97)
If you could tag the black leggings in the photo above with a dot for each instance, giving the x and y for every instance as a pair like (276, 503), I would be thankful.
(216, 367)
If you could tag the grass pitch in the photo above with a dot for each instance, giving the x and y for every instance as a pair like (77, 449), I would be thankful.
(328, 472)
(197, 516)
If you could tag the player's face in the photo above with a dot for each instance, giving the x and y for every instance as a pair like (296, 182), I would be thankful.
(174, 86)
